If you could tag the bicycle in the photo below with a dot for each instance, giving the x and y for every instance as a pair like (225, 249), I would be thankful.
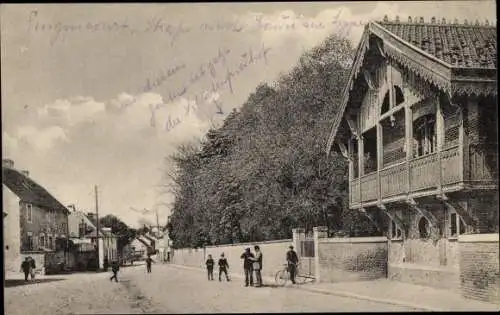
(282, 276)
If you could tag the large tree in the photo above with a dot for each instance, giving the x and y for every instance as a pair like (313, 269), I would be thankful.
(265, 171)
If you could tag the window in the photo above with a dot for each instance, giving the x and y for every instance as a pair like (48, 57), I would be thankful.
(29, 213)
(42, 240)
(457, 225)
(50, 242)
(29, 241)
(423, 228)
(424, 135)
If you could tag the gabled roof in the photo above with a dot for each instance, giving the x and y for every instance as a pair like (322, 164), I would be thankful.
(458, 45)
(30, 191)
(458, 59)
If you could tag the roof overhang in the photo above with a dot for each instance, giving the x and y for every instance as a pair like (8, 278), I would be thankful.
(450, 80)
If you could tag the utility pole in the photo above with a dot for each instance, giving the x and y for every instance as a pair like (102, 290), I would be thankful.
(97, 225)
(157, 225)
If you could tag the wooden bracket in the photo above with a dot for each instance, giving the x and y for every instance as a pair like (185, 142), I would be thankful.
(453, 205)
(368, 80)
(394, 217)
(429, 216)
(380, 49)
(352, 126)
(343, 150)
(370, 216)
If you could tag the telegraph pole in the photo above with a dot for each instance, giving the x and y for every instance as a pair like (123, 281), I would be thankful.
(97, 225)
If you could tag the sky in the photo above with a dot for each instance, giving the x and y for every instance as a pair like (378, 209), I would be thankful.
(101, 94)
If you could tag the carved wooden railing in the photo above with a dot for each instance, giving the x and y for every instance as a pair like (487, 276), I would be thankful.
(393, 180)
(369, 187)
(450, 166)
(483, 159)
(354, 191)
(424, 172)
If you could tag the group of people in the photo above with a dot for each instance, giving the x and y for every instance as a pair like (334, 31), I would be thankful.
(223, 267)
(28, 267)
(252, 262)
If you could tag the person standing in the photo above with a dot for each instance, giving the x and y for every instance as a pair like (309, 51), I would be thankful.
(210, 267)
(32, 268)
(247, 266)
(25, 268)
(223, 267)
(257, 266)
(292, 261)
(115, 267)
(149, 261)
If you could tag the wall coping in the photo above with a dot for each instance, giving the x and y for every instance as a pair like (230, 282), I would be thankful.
(251, 243)
(472, 238)
(373, 239)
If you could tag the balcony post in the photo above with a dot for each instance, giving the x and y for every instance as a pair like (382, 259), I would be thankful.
(409, 143)
(462, 142)
(361, 167)
(380, 155)
(439, 142)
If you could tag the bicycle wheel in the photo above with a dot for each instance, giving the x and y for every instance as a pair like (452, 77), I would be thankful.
(281, 277)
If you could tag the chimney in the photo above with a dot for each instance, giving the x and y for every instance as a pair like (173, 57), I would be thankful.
(8, 163)
(386, 19)
(397, 18)
(433, 20)
(466, 22)
(486, 22)
(422, 20)
(72, 208)
(409, 19)
(26, 173)
(443, 21)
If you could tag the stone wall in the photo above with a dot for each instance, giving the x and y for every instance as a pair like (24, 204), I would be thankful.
(479, 267)
(351, 259)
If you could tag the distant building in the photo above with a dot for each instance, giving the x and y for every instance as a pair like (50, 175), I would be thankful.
(42, 219)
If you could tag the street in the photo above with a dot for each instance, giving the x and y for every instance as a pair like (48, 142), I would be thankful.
(169, 289)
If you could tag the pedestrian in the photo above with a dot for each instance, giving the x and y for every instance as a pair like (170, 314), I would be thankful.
(223, 267)
(115, 267)
(105, 263)
(210, 267)
(247, 266)
(25, 267)
(149, 260)
(257, 266)
(292, 261)
(32, 268)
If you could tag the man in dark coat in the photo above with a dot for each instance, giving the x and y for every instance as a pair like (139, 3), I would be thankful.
(292, 260)
(26, 268)
(247, 266)
(257, 265)
(114, 268)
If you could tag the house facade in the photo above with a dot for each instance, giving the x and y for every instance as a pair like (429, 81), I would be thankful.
(83, 237)
(43, 220)
(11, 230)
(418, 125)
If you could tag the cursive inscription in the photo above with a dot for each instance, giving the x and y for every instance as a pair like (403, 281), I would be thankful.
(162, 77)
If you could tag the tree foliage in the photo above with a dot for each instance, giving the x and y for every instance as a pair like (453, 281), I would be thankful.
(265, 170)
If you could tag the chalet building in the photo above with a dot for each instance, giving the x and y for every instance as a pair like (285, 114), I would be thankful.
(418, 125)
(42, 219)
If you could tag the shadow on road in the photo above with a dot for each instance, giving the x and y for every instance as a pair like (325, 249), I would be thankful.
(18, 282)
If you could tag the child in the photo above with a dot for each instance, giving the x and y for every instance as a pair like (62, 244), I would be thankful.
(223, 266)
(210, 267)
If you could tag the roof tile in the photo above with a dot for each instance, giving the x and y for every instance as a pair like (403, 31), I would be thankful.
(468, 45)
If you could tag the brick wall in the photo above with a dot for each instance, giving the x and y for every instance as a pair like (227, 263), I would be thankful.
(479, 267)
(273, 256)
(352, 259)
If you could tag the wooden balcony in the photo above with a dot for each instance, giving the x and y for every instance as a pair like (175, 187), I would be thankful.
(423, 175)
